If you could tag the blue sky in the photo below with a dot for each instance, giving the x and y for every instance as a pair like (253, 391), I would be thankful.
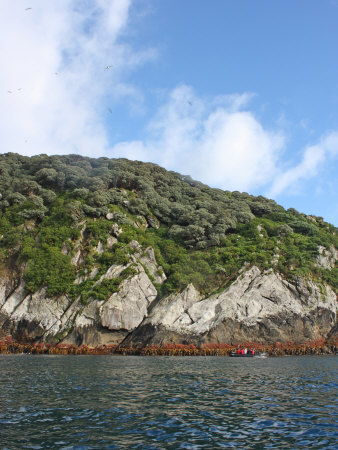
(240, 95)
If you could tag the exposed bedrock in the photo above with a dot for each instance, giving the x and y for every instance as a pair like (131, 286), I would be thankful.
(260, 307)
(36, 317)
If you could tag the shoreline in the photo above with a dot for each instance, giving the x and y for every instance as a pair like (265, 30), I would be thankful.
(318, 347)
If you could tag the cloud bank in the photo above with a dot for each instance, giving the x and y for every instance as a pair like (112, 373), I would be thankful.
(60, 60)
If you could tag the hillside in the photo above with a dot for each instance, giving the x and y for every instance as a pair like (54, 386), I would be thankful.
(80, 230)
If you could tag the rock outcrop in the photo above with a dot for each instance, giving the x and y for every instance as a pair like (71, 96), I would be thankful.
(258, 306)
(327, 258)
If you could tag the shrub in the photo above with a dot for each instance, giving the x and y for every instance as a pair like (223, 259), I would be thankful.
(49, 268)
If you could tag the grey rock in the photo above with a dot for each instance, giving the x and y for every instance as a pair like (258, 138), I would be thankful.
(257, 306)
(135, 245)
(116, 230)
(327, 258)
(111, 241)
(77, 258)
(126, 309)
(114, 271)
(141, 222)
(147, 259)
(99, 249)
(152, 222)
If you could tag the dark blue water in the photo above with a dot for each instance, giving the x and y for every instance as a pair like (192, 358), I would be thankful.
(84, 402)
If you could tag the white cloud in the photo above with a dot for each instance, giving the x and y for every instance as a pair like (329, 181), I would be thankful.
(53, 65)
(313, 158)
(221, 145)
(56, 54)
(216, 142)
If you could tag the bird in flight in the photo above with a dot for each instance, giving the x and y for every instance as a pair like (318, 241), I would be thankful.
(10, 92)
(108, 67)
(110, 110)
(190, 103)
(28, 9)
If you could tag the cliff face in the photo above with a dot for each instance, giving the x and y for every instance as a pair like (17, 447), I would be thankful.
(107, 252)
(37, 316)
(258, 306)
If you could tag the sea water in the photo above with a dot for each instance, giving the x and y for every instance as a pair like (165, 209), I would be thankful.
(113, 402)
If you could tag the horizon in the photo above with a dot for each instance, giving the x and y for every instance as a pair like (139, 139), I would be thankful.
(240, 97)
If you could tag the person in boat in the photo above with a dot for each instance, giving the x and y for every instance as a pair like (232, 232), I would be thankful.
(245, 351)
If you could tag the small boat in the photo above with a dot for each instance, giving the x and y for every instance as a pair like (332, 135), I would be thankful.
(249, 354)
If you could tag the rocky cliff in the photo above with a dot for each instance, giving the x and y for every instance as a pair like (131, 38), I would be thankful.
(259, 306)
(123, 253)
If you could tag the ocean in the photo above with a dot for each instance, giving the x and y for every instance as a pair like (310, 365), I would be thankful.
(159, 402)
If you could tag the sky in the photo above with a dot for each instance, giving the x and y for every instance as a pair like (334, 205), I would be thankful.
(241, 95)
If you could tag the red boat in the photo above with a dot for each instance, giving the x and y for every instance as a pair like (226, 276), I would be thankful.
(241, 353)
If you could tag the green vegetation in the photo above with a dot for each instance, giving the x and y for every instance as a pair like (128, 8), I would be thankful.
(54, 206)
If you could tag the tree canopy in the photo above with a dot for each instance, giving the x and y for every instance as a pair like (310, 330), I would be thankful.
(200, 234)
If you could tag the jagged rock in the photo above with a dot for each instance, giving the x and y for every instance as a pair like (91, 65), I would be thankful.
(91, 275)
(110, 216)
(99, 249)
(327, 258)
(111, 241)
(114, 271)
(135, 245)
(172, 311)
(3, 286)
(116, 230)
(333, 333)
(31, 316)
(13, 300)
(89, 315)
(148, 260)
(39, 317)
(77, 259)
(126, 309)
(86, 328)
(257, 307)
(41, 311)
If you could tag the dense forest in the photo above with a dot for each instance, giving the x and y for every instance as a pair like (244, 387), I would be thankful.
(200, 235)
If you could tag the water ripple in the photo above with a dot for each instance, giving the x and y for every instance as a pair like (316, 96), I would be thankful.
(94, 402)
